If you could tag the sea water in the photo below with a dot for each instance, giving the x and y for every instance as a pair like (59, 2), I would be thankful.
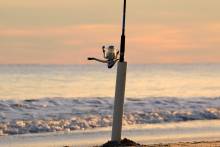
(50, 98)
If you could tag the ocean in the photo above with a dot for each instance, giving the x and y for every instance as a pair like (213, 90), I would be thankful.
(51, 98)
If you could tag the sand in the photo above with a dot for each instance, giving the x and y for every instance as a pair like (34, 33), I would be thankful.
(126, 142)
(188, 144)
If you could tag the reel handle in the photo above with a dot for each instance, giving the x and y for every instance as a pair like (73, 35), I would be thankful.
(90, 58)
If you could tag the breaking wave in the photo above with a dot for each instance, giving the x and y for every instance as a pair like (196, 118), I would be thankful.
(68, 114)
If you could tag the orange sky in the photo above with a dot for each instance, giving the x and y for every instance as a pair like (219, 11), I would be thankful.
(68, 31)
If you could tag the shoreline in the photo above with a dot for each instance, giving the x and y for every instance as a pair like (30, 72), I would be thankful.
(193, 131)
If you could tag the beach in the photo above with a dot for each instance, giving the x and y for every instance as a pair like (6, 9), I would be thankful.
(125, 142)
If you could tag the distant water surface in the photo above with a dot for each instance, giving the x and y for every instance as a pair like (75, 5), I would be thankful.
(88, 81)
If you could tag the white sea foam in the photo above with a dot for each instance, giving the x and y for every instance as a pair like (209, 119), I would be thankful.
(62, 114)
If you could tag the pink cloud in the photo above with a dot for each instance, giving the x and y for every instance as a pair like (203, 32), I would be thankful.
(145, 43)
(50, 31)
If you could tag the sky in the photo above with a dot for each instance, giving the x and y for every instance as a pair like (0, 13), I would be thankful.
(68, 31)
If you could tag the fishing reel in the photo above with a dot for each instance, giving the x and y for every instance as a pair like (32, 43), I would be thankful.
(110, 54)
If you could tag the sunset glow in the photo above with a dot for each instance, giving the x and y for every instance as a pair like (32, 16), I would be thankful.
(67, 32)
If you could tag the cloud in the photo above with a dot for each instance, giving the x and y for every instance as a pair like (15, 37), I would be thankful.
(145, 43)
(59, 31)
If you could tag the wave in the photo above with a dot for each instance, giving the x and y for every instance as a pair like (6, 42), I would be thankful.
(68, 114)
